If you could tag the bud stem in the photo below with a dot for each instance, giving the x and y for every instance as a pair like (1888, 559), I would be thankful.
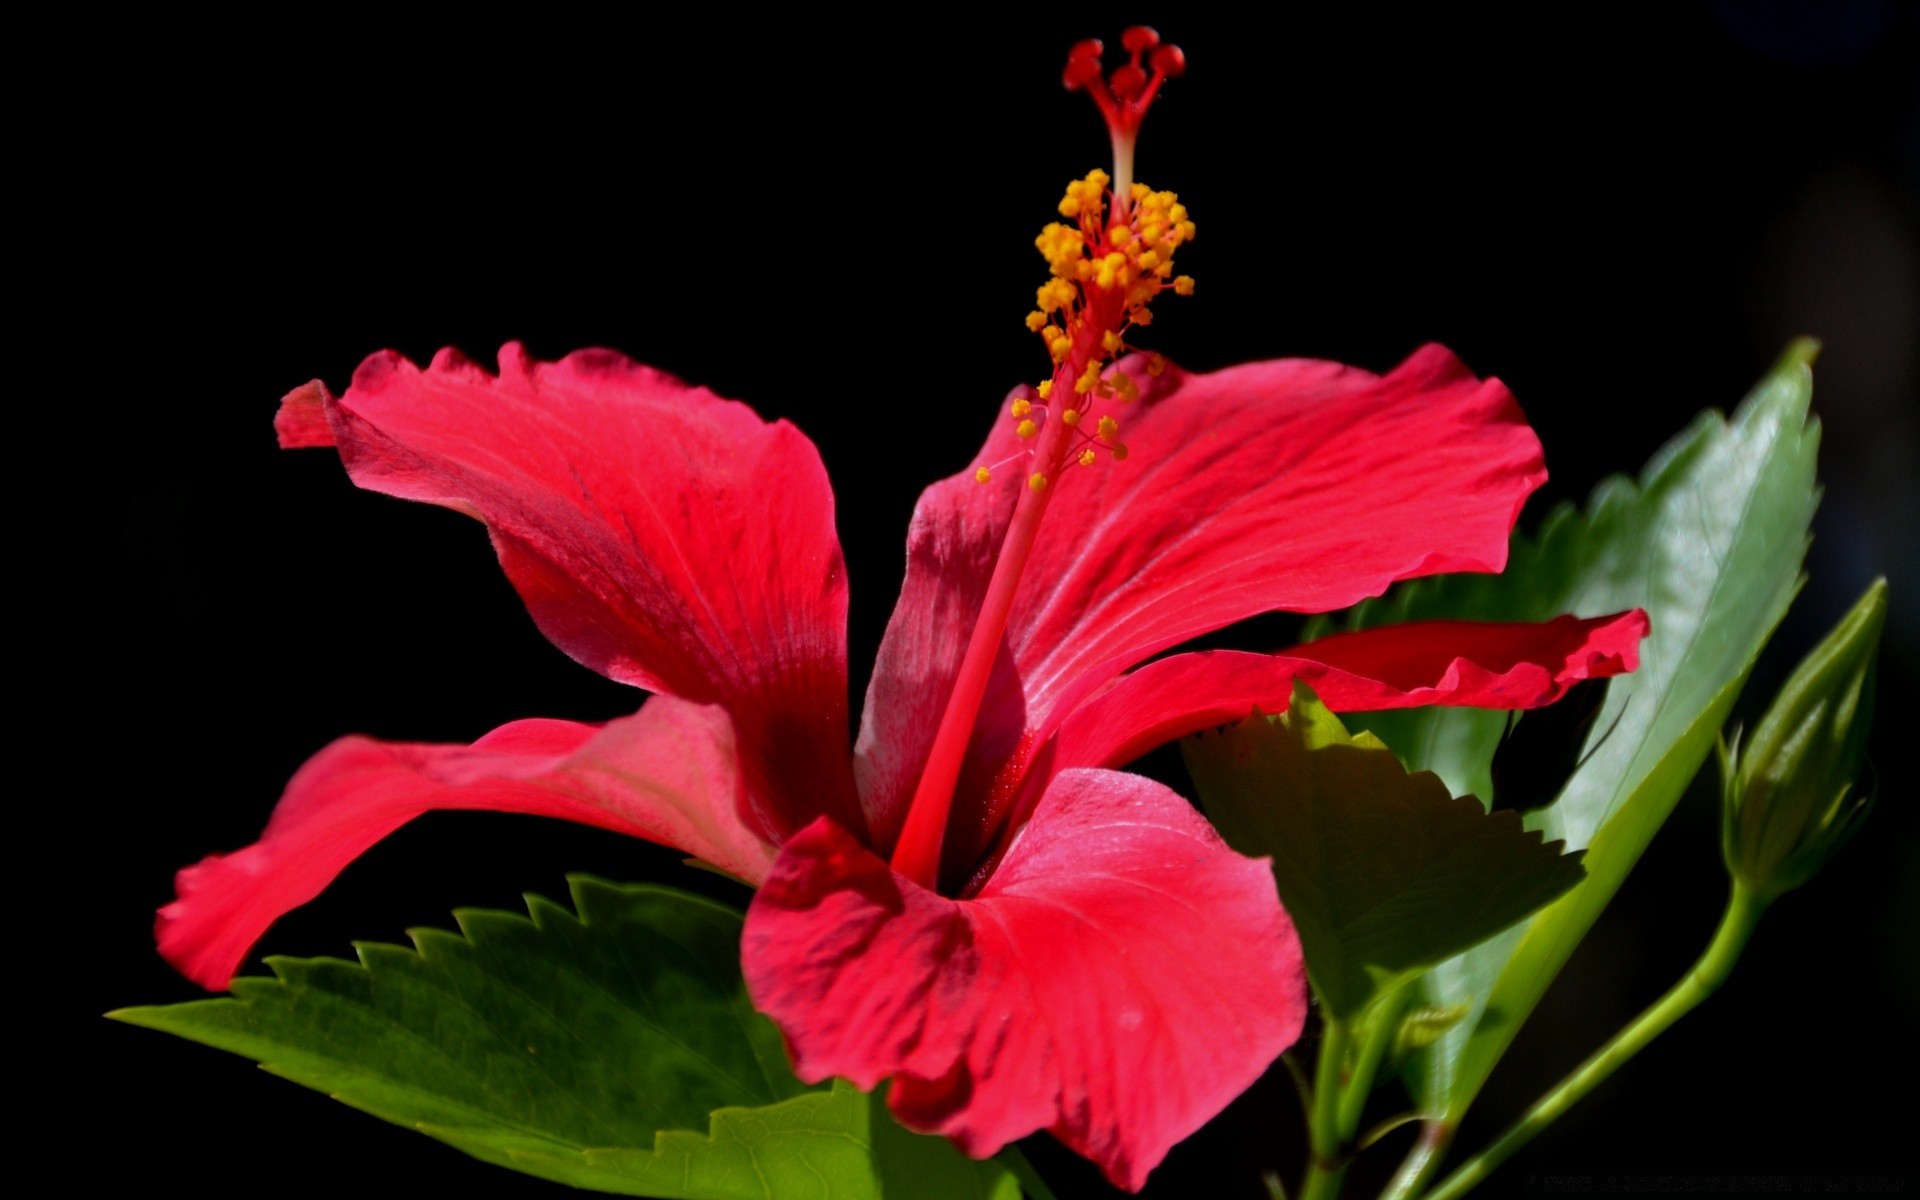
(1744, 907)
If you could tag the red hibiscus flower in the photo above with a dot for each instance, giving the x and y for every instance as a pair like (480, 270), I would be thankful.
(968, 898)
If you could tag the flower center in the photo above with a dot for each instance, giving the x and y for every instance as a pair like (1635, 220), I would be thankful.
(1108, 260)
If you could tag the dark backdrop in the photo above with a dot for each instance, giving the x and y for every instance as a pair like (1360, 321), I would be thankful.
(1622, 211)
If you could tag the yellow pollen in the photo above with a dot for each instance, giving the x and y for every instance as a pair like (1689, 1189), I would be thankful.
(1022, 407)
(1156, 366)
(1045, 389)
(1086, 458)
(1119, 452)
(1108, 427)
(1026, 429)
(1071, 416)
(1103, 275)
(1113, 271)
(1037, 481)
(982, 475)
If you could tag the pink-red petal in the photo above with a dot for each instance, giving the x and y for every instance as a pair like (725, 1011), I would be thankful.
(668, 774)
(1464, 663)
(1287, 485)
(659, 534)
(1121, 977)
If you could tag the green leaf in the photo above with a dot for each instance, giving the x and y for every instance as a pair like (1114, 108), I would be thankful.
(614, 1049)
(1384, 873)
(1709, 540)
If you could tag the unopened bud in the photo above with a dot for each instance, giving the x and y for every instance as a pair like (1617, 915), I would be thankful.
(1792, 794)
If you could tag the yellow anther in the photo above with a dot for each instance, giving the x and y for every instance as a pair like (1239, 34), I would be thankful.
(1022, 407)
(1139, 192)
(1113, 271)
(1037, 481)
(1149, 260)
(1108, 427)
(1183, 286)
(1089, 379)
(1156, 366)
(1084, 195)
(1086, 458)
(1045, 389)
(1119, 452)
(982, 475)
(1062, 246)
(1053, 295)
(1036, 320)
(1110, 341)
(1026, 429)
(1119, 235)
(1149, 234)
(1071, 416)
(1124, 384)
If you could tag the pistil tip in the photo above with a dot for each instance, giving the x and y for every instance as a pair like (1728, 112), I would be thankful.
(1125, 95)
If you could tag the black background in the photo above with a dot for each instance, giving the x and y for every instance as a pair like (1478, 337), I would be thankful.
(1623, 211)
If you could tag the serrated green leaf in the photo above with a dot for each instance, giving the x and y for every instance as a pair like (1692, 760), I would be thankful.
(1384, 873)
(817, 1146)
(1709, 540)
(614, 1049)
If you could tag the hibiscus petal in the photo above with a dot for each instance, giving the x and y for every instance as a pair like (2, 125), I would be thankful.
(1465, 663)
(1121, 977)
(659, 534)
(668, 774)
(1294, 484)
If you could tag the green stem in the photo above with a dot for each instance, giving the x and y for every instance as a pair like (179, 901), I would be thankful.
(1736, 927)
(1383, 1129)
(1422, 1162)
(1327, 1164)
(1382, 1023)
(1340, 1091)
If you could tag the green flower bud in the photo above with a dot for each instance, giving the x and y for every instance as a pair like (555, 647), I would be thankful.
(1792, 795)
